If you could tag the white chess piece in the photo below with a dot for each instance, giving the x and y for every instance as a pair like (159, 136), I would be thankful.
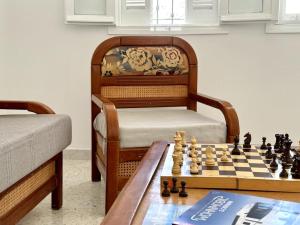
(298, 148)
(209, 156)
(224, 157)
(176, 164)
(194, 168)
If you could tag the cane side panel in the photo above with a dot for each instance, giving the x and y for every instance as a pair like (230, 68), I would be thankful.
(27, 187)
(126, 169)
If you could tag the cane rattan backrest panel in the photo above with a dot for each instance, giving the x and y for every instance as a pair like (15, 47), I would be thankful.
(144, 91)
(144, 60)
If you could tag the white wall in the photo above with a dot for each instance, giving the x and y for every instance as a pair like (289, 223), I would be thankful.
(43, 59)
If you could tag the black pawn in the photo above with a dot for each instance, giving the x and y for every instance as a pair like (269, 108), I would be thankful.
(235, 150)
(263, 146)
(165, 192)
(273, 163)
(283, 173)
(183, 193)
(174, 188)
(269, 154)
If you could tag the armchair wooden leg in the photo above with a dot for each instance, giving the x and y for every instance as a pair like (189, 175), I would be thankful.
(96, 176)
(57, 194)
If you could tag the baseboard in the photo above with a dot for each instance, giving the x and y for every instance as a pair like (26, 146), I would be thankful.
(77, 154)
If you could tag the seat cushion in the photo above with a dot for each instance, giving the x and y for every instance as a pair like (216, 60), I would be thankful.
(28, 141)
(140, 127)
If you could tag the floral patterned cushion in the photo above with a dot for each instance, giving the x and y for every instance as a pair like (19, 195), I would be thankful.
(128, 60)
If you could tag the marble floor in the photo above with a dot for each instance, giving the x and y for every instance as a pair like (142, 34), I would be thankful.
(83, 200)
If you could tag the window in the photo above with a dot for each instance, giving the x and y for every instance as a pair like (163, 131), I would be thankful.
(246, 10)
(289, 12)
(168, 13)
(89, 11)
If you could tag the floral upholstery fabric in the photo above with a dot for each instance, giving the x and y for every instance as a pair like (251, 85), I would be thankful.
(128, 60)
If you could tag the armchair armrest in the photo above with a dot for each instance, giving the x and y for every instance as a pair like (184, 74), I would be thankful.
(35, 107)
(230, 115)
(111, 116)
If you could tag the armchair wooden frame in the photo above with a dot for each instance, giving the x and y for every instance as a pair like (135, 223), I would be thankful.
(17, 200)
(108, 163)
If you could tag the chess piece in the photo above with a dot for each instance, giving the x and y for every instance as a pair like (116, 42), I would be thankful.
(277, 142)
(174, 188)
(193, 143)
(194, 168)
(176, 164)
(183, 193)
(274, 164)
(296, 173)
(286, 137)
(269, 154)
(295, 164)
(224, 157)
(283, 173)
(165, 192)
(198, 160)
(209, 161)
(263, 146)
(298, 148)
(193, 151)
(235, 150)
(247, 140)
(183, 142)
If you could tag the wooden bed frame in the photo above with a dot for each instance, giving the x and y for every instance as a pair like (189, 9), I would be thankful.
(17, 200)
(108, 164)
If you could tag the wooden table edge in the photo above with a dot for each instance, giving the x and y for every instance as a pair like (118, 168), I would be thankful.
(126, 205)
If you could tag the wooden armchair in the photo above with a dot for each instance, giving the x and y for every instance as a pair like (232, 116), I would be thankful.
(143, 72)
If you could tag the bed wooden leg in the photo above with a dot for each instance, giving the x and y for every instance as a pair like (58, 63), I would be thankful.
(57, 194)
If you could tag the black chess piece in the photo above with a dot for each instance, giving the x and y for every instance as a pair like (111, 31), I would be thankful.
(269, 154)
(295, 164)
(174, 188)
(263, 146)
(247, 140)
(235, 150)
(165, 192)
(274, 164)
(296, 174)
(277, 142)
(286, 137)
(183, 193)
(283, 173)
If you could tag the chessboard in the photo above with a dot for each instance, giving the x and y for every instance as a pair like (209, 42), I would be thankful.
(248, 171)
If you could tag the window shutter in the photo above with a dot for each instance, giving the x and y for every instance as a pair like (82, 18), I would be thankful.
(135, 4)
(202, 4)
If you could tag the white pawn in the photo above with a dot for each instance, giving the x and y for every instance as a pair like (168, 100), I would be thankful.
(194, 168)
(209, 156)
(224, 157)
(176, 164)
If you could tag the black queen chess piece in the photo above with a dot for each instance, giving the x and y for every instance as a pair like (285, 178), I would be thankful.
(247, 140)
(235, 150)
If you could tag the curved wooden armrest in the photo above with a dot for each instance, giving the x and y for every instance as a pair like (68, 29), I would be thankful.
(231, 118)
(35, 107)
(111, 116)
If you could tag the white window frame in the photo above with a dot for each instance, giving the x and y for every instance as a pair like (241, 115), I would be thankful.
(72, 18)
(277, 27)
(163, 29)
(265, 15)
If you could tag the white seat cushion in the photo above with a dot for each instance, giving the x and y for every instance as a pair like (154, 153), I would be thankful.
(28, 141)
(140, 127)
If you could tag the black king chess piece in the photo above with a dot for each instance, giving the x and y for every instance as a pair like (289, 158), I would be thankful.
(235, 150)
(247, 140)
(174, 188)
(165, 192)
(263, 146)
